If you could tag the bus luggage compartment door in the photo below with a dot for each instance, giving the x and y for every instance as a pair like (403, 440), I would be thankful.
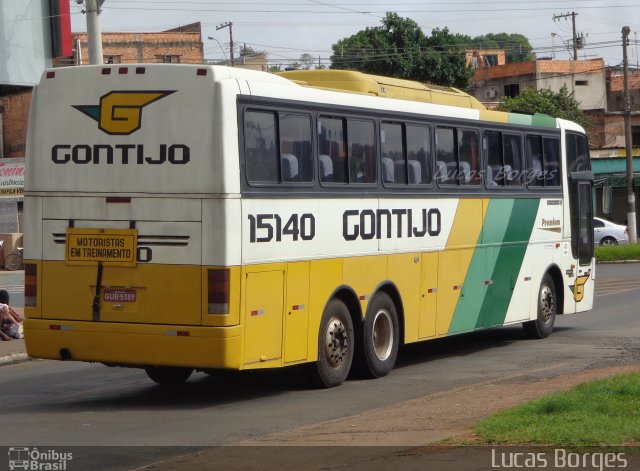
(263, 315)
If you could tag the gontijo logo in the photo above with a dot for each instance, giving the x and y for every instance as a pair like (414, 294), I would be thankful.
(121, 112)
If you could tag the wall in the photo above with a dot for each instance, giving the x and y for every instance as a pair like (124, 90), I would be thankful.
(476, 58)
(543, 74)
(607, 129)
(615, 95)
(15, 115)
(127, 48)
(591, 95)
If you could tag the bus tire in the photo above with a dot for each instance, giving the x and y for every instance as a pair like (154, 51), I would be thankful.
(381, 337)
(547, 308)
(335, 345)
(168, 375)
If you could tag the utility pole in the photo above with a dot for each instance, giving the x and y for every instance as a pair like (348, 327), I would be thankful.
(229, 25)
(631, 211)
(573, 15)
(94, 34)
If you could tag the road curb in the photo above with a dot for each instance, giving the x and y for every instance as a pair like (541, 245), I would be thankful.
(13, 359)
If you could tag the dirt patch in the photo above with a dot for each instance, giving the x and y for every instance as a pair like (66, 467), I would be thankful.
(432, 418)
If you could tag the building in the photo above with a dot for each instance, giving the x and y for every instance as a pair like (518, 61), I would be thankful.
(481, 58)
(585, 78)
(599, 91)
(37, 35)
(607, 137)
(179, 45)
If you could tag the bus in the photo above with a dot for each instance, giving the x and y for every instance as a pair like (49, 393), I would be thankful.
(182, 218)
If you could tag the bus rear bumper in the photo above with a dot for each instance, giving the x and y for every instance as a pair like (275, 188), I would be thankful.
(134, 344)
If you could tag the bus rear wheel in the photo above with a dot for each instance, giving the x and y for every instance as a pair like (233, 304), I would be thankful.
(168, 375)
(547, 309)
(381, 337)
(335, 345)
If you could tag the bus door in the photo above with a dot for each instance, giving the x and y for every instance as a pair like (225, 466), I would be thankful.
(580, 183)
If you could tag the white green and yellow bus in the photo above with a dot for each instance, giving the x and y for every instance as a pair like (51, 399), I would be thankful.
(182, 218)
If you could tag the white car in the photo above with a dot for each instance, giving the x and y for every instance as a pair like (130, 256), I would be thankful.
(609, 233)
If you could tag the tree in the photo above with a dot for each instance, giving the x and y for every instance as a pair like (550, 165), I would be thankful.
(249, 51)
(516, 46)
(559, 105)
(398, 48)
(306, 60)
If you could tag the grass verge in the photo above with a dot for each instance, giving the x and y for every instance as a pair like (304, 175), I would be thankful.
(618, 252)
(597, 413)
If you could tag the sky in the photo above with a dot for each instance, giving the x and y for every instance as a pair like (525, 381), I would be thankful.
(286, 29)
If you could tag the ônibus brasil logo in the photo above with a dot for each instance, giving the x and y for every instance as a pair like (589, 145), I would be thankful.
(120, 112)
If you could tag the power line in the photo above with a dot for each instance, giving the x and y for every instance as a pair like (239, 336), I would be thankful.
(289, 10)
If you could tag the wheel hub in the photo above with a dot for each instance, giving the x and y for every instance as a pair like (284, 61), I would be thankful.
(336, 342)
(547, 303)
(382, 335)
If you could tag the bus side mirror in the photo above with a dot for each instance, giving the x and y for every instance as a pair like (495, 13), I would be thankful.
(583, 176)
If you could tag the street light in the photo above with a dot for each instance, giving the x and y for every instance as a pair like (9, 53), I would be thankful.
(221, 48)
(229, 25)
(564, 42)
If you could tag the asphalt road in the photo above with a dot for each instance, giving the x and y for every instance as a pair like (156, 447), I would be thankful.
(75, 404)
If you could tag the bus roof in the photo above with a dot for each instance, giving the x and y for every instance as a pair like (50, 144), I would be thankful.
(377, 85)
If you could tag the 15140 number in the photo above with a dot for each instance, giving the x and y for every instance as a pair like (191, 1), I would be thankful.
(266, 227)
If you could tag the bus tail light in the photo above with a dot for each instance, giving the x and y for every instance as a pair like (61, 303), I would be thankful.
(30, 284)
(218, 291)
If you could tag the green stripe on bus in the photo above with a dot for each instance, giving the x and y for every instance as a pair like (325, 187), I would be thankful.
(508, 262)
(517, 118)
(544, 121)
(468, 310)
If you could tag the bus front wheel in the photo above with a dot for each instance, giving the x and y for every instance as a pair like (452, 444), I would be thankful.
(335, 345)
(547, 309)
(168, 375)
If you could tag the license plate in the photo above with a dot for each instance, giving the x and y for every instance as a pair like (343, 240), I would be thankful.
(107, 246)
(119, 295)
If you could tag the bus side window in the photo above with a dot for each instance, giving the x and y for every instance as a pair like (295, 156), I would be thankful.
(392, 153)
(445, 155)
(331, 143)
(577, 151)
(295, 148)
(362, 165)
(552, 166)
(512, 152)
(535, 175)
(492, 149)
(469, 157)
(419, 155)
(262, 163)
